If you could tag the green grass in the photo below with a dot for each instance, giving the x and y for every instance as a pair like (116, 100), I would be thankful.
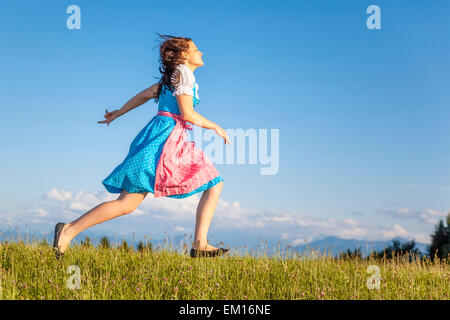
(30, 271)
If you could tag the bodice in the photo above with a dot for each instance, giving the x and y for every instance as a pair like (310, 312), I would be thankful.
(168, 102)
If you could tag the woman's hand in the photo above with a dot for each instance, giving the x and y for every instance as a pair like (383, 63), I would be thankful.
(221, 132)
(110, 116)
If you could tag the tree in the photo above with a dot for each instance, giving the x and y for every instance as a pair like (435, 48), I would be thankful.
(124, 246)
(104, 243)
(86, 243)
(349, 254)
(144, 247)
(398, 249)
(440, 240)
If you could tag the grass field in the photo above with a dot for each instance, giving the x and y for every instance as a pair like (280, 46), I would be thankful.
(30, 271)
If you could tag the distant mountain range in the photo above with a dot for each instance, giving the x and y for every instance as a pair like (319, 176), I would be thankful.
(239, 242)
(335, 245)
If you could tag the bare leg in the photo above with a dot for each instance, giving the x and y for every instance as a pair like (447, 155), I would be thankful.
(205, 211)
(125, 204)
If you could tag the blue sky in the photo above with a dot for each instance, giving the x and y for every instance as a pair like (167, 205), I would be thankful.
(362, 114)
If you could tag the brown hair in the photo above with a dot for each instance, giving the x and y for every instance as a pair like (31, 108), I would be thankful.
(169, 57)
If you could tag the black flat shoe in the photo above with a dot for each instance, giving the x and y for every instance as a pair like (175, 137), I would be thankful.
(195, 253)
(59, 255)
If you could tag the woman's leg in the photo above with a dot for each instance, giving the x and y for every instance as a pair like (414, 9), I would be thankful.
(205, 211)
(125, 204)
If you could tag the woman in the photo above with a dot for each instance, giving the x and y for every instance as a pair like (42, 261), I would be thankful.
(160, 161)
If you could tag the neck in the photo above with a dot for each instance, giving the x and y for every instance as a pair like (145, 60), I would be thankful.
(190, 66)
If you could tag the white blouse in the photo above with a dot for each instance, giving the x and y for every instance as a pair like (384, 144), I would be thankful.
(187, 84)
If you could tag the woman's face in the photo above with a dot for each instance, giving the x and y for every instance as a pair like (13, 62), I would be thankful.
(194, 56)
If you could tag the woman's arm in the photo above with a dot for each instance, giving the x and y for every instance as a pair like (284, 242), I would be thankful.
(185, 103)
(139, 99)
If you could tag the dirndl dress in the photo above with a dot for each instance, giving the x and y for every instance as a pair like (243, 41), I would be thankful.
(160, 160)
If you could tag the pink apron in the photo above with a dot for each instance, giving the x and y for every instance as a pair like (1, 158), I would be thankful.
(181, 167)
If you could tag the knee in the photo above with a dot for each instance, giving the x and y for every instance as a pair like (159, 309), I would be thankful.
(218, 187)
(127, 207)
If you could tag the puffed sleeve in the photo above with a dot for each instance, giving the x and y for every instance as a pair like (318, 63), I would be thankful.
(185, 85)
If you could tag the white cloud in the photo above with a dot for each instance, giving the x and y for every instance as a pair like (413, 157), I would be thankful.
(435, 213)
(78, 206)
(58, 195)
(421, 237)
(403, 211)
(395, 231)
(300, 241)
(428, 216)
(41, 212)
